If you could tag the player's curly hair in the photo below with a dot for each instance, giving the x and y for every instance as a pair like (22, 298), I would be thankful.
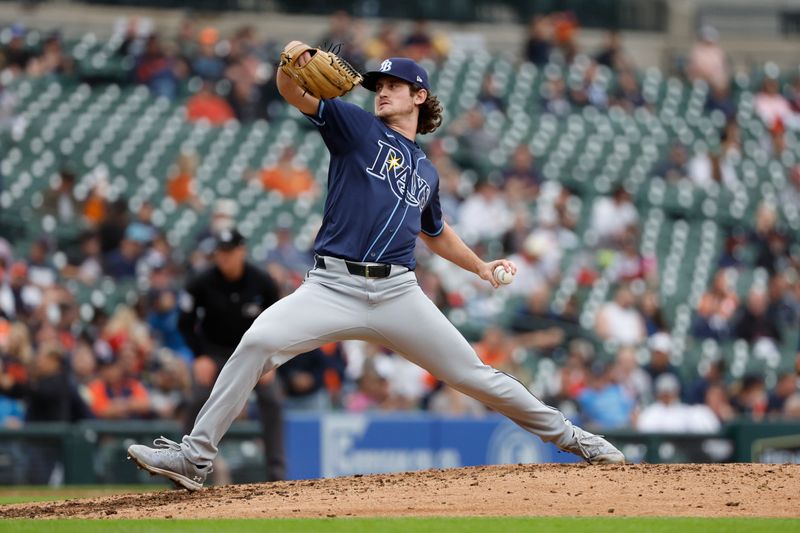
(430, 113)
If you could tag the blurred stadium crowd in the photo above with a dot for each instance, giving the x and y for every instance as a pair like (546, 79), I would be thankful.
(90, 297)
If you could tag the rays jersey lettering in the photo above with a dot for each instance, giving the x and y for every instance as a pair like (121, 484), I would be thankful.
(382, 192)
(390, 165)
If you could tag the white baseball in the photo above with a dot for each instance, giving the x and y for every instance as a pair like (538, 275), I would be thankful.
(503, 276)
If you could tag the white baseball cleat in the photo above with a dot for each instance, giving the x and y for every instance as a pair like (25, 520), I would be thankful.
(594, 449)
(167, 460)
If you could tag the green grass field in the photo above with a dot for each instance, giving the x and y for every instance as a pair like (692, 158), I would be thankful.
(409, 525)
(358, 525)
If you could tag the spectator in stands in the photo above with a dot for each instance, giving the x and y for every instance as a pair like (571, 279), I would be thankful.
(650, 308)
(50, 396)
(536, 325)
(15, 54)
(475, 139)
(771, 106)
(121, 263)
(531, 275)
(115, 395)
(386, 43)
(112, 229)
(751, 397)
(421, 44)
(489, 98)
(574, 374)
(790, 196)
(61, 200)
(784, 307)
(540, 40)
(669, 415)
(290, 176)
(485, 214)
(83, 364)
(181, 184)
(494, 348)
(247, 77)
(302, 379)
(50, 393)
(206, 63)
(554, 97)
(755, 323)
(720, 99)
(592, 90)
(162, 317)
(448, 401)
(8, 112)
(707, 60)
(714, 376)
(521, 178)
(791, 409)
(155, 69)
(619, 320)
(675, 167)
(614, 217)
(785, 388)
(170, 387)
(19, 298)
(605, 404)
(565, 35)
(793, 95)
(630, 264)
(207, 105)
(718, 401)
(451, 191)
(660, 346)
(628, 95)
(771, 244)
(706, 167)
(342, 38)
(287, 254)
(372, 391)
(636, 382)
(612, 55)
(717, 307)
(41, 271)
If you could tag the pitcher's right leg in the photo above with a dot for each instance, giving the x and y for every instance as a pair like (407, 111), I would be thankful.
(311, 316)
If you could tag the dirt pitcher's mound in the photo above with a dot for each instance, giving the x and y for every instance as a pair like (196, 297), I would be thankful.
(554, 490)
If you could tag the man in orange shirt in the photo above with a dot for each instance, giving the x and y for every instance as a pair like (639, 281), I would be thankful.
(206, 104)
(115, 395)
(288, 178)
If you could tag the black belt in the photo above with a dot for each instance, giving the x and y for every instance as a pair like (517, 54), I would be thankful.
(357, 269)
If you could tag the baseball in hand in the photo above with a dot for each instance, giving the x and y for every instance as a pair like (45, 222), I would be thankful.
(503, 276)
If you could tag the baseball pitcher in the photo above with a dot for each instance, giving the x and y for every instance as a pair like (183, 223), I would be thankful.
(383, 193)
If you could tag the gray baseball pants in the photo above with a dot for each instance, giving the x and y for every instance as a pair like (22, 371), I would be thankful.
(334, 305)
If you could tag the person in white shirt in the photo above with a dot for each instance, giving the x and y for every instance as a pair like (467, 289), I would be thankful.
(771, 106)
(669, 415)
(485, 214)
(613, 216)
(620, 321)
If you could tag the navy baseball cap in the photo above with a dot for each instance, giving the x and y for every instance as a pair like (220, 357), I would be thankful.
(399, 67)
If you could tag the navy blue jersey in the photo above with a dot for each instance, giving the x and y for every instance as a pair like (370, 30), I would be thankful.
(382, 190)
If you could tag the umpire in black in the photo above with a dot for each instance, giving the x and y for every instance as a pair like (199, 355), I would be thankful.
(217, 307)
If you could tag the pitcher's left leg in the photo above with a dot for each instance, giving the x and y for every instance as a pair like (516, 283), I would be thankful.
(414, 326)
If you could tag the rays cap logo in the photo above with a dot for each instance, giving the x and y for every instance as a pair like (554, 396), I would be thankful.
(399, 67)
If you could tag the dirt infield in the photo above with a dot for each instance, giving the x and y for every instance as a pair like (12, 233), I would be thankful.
(540, 490)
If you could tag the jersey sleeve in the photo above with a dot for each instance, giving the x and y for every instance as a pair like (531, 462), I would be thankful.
(342, 124)
(432, 223)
